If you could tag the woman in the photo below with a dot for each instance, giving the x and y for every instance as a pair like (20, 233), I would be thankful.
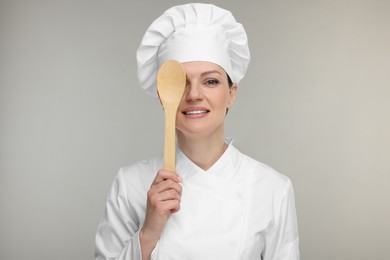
(220, 204)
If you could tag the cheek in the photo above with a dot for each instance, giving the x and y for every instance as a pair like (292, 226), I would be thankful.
(226, 99)
(182, 101)
(221, 102)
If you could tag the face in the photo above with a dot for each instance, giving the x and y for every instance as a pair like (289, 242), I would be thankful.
(202, 109)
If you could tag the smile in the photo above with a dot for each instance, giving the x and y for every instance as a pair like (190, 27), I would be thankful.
(196, 112)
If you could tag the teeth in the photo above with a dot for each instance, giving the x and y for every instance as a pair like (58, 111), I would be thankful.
(196, 112)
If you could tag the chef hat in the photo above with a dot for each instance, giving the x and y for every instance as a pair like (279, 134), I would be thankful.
(193, 32)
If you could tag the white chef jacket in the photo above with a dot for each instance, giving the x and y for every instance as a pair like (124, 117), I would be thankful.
(239, 209)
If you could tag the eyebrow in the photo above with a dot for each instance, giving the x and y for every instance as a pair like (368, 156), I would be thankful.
(209, 72)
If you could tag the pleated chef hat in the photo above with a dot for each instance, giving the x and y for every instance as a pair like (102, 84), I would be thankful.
(193, 32)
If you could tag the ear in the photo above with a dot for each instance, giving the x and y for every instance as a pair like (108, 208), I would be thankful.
(232, 95)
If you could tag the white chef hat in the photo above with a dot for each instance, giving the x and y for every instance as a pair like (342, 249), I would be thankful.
(193, 32)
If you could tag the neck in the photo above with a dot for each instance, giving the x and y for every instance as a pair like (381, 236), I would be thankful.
(204, 152)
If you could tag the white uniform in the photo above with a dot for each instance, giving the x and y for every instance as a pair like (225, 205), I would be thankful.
(239, 209)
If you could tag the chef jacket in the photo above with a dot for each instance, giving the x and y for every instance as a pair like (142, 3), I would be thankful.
(239, 209)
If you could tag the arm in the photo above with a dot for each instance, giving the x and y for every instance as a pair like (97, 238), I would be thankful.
(282, 242)
(117, 235)
(164, 198)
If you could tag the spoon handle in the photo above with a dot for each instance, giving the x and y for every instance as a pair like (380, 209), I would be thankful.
(170, 138)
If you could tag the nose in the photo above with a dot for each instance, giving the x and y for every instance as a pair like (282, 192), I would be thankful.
(193, 92)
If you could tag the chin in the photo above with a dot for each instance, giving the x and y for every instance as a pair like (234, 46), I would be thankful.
(190, 131)
(199, 130)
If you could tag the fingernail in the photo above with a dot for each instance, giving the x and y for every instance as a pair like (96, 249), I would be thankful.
(180, 179)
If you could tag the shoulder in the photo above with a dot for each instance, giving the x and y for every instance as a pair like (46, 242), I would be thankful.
(143, 166)
(139, 174)
(267, 188)
(256, 173)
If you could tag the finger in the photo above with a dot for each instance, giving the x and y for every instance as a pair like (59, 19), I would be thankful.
(164, 175)
(172, 205)
(167, 185)
(164, 203)
(169, 195)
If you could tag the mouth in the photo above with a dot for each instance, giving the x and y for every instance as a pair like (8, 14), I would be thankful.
(195, 112)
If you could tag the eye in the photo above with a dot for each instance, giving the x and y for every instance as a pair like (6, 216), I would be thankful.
(211, 82)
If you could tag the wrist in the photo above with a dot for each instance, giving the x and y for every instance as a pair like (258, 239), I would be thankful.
(149, 235)
(148, 241)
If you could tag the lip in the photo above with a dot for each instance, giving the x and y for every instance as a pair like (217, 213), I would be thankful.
(195, 112)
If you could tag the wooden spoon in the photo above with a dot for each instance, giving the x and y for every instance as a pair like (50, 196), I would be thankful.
(171, 81)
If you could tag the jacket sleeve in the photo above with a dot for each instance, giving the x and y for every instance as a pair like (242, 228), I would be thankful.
(282, 242)
(117, 235)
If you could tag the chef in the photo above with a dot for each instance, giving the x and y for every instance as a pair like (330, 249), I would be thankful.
(219, 204)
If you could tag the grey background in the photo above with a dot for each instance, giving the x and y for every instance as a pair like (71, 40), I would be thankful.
(314, 105)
